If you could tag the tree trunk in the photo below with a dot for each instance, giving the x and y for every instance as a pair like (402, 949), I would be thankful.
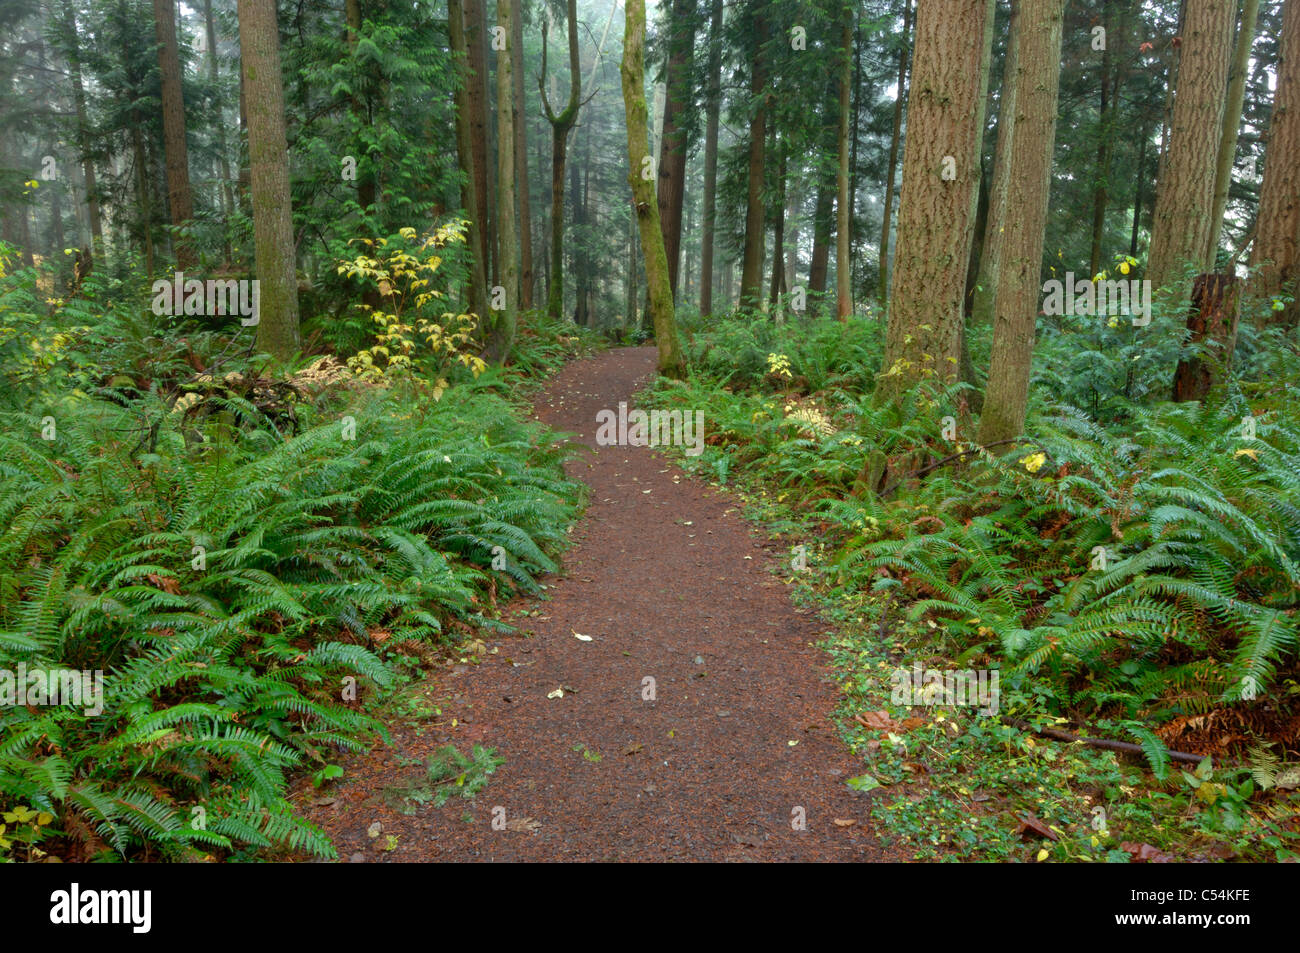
(560, 126)
(180, 200)
(502, 336)
(521, 173)
(83, 127)
(776, 286)
(1185, 193)
(1212, 327)
(223, 160)
(1231, 122)
(476, 41)
(1144, 140)
(843, 211)
(647, 208)
(268, 159)
(890, 175)
(1038, 63)
(986, 285)
(1105, 141)
(751, 271)
(712, 104)
(477, 295)
(672, 146)
(941, 186)
(1276, 255)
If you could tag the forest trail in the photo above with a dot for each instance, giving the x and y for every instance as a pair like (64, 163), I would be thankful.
(670, 583)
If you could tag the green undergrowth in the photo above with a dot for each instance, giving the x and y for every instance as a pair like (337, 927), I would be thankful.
(253, 569)
(1133, 579)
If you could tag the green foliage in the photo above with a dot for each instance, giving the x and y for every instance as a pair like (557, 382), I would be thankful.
(448, 773)
(231, 583)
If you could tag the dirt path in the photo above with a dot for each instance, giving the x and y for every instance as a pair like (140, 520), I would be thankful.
(670, 584)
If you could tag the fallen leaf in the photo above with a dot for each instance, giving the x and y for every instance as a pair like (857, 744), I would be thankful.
(1146, 854)
(580, 637)
(524, 825)
(876, 720)
(373, 830)
(558, 693)
(844, 822)
(1030, 823)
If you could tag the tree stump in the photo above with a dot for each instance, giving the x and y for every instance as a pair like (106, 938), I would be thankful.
(1212, 323)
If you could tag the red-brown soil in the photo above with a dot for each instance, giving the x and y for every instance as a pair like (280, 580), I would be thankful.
(671, 584)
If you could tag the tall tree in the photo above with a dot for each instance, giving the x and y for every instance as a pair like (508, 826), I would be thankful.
(986, 285)
(1276, 254)
(268, 159)
(465, 153)
(561, 123)
(632, 71)
(223, 158)
(712, 104)
(1185, 193)
(1227, 155)
(672, 144)
(521, 171)
(894, 142)
(476, 41)
(751, 270)
(941, 172)
(180, 199)
(502, 336)
(1038, 64)
(72, 48)
(843, 210)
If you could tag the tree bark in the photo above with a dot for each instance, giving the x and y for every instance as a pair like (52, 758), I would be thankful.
(477, 295)
(1105, 141)
(1212, 329)
(476, 41)
(1038, 63)
(521, 172)
(223, 159)
(936, 213)
(672, 145)
(670, 362)
(268, 159)
(986, 285)
(180, 199)
(561, 123)
(83, 127)
(1231, 122)
(843, 210)
(502, 336)
(882, 291)
(712, 104)
(751, 271)
(1276, 254)
(1185, 193)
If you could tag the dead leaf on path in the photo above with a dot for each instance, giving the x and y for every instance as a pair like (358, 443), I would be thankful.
(579, 636)
(1031, 824)
(374, 829)
(633, 749)
(558, 693)
(523, 825)
(844, 822)
(876, 720)
(1146, 854)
